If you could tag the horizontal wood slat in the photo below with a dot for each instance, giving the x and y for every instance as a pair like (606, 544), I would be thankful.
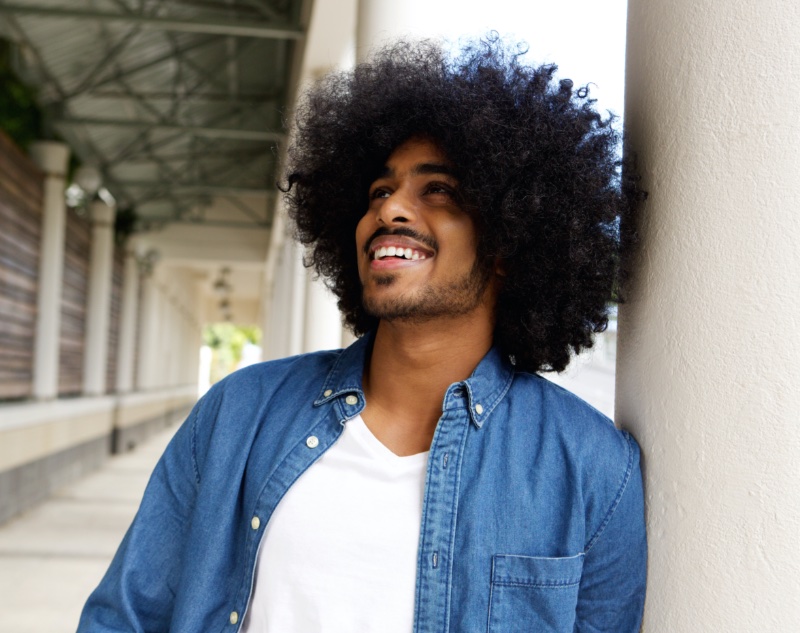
(75, 290)
(21, 191)
(118, 273)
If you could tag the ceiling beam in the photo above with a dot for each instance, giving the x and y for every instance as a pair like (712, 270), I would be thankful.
(202, 98)
(146, 223)
(214, 132)
(211, 27)
(189, 189)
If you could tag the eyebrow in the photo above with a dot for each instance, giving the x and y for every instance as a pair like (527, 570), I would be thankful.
(423, 169)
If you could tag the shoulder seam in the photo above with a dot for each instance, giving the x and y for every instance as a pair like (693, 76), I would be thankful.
(615, 503)
(195, 467)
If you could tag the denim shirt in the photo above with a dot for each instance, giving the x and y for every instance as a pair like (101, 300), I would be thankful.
(532, 515)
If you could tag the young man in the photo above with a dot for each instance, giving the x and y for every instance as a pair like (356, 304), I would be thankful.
(466, 214)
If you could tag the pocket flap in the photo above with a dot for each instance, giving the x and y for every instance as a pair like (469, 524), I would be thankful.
(509, 569)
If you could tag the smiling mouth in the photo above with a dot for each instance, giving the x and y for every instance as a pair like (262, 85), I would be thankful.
(386, 252)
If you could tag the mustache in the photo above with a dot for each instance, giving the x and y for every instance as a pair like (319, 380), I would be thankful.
(405, 231)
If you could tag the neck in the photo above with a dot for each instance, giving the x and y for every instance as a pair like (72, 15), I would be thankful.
(409, 371)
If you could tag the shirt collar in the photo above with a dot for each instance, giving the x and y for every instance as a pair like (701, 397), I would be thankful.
(484, 388)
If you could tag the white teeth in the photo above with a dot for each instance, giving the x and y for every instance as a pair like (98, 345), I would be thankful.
(397, 251)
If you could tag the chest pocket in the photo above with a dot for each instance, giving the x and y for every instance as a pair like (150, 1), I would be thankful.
(532, 594)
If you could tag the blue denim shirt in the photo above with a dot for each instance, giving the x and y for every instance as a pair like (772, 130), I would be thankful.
(532, 517)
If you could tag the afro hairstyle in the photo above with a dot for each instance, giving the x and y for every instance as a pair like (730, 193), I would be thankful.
(539, 170)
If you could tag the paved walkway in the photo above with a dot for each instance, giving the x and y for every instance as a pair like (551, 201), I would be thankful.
(53, 556)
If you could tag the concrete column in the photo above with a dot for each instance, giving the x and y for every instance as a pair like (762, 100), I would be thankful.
(127, 326)
(101, 263)
(280, 301)
(297, 304)
(709, 356)
(323, 324)
(379, 21)
(52, 158)
(162, 354)
(148, 342)
(347, 337)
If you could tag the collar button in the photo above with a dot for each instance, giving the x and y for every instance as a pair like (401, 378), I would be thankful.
(351, 400)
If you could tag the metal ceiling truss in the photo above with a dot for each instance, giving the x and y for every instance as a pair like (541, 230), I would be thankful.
(177, 102)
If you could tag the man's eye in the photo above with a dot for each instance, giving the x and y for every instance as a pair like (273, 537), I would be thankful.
(436, 187)
(379, 193)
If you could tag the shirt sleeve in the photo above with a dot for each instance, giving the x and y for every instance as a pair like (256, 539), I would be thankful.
(138, 590)
(612, 589)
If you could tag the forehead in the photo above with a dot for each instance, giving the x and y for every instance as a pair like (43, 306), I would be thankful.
(418, 155)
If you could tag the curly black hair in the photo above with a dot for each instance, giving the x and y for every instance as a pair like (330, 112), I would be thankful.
(539, 169)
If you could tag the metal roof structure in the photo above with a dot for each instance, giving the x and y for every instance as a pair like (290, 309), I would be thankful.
(178, 103)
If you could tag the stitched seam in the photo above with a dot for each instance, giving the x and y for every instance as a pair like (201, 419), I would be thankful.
(617, 499)
(549, 585)
(457, 489)
(195, 467)
(491, 596)
(493, 405)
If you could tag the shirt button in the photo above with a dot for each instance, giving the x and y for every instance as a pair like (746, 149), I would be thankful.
(234, 617)
(478, 409)
(312, 441)
(255, 523)
(351, 400)
(327, 392)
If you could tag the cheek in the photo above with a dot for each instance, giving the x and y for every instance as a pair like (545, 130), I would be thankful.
(463, 237)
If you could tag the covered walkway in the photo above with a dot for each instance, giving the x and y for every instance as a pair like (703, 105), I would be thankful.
(100, 334)
(52, 556)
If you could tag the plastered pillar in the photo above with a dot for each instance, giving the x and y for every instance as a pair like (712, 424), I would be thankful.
(52, 159)
(297, 297)
(323, 325)
(127, 327)
(280, 301)
(708, 358)
(148, 340)
(99, 300)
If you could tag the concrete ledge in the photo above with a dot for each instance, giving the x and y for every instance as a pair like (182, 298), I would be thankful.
(45, 445)
(135, 408)
(140, 415)
(126, 438)
(24, 486)
(29, 432)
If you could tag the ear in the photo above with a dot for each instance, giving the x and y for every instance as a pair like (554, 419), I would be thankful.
(500, 269)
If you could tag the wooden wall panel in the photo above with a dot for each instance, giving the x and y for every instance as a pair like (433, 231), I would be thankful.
(77, 246)
(115, 316)
(21, 190)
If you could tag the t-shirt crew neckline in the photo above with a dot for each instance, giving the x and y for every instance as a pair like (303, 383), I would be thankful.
(361, 433)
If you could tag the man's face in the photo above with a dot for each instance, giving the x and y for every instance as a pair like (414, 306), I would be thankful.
(416, 245)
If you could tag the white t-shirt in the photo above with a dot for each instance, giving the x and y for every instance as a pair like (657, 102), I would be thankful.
(339, 554)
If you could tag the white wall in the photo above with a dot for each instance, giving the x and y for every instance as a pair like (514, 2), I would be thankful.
(709, 358)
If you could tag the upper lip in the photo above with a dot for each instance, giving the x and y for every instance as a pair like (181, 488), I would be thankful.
(398, 241)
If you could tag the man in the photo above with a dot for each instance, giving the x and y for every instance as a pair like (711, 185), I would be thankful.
(466, 214)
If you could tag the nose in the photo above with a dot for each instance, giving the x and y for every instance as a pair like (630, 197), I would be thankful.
(398, 208)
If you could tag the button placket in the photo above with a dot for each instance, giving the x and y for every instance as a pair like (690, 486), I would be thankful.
(439, 520)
